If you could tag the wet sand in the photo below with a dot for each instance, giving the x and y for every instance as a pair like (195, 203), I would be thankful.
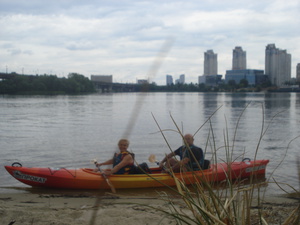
(107, 208)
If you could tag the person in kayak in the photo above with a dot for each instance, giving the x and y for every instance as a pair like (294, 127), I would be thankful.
(191, 157)
(123, 162)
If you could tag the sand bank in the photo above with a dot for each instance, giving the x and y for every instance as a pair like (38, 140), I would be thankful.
(83, 209)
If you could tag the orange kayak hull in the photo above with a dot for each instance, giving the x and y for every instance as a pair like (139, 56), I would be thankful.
(85, 178)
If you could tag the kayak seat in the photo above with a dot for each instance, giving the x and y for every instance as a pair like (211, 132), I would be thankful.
(206, 164)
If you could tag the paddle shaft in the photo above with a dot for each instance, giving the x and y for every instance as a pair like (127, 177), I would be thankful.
(113, 190)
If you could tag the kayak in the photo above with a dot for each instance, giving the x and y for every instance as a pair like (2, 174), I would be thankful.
(86, 178)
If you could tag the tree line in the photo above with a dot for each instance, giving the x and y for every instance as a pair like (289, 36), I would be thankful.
(231, 86)
(79, 84)
(46, 84)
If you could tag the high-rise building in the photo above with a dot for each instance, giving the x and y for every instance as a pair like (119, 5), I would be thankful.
(277, 65)
(182, 78)
(210, 63)
(298, 72)
(239, 59)
(169, 79)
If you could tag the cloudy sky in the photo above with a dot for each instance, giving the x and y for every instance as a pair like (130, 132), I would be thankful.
(124, 37)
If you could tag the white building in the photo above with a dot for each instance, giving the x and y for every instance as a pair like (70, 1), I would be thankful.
(210, 63)
(277, 65)
(142, 81)
(239, 61)
(102, 78)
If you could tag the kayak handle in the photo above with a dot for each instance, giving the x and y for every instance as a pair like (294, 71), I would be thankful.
(16, 164)
(246, 159)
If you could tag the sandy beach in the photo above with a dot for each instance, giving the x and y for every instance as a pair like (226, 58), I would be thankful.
(79, 209)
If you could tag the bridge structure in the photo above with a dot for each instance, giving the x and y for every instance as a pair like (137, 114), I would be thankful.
(104, 83)
(106, 87)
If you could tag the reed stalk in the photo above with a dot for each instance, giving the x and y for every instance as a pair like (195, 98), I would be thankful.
(233, 204)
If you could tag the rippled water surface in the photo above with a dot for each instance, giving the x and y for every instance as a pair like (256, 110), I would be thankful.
(69, 131)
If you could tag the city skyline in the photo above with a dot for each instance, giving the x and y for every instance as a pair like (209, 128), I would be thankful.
(277, 67)
(124, 38)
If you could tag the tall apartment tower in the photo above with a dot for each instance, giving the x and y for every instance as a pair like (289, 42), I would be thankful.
(210, 63)
(298, 72)
(239, 59)
(277, 65)
(182, 78)
(169, 79)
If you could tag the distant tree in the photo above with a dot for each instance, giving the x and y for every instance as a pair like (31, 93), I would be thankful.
(266, 83)
(244, 83)
(80, 83)
(232, 85)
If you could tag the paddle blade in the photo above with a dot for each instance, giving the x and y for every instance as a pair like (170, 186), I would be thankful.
(112, 188)
(152, 158)
(94, 161)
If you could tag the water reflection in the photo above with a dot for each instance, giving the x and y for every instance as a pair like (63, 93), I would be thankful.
(238, 100)
(297, 102)
(210, 101)
(277, 100)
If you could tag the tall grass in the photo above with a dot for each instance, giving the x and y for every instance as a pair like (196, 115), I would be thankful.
(233, 202)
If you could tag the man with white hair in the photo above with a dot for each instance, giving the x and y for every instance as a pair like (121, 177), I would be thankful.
(191, 157)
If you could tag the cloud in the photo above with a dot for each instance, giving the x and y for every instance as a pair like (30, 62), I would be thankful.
(123, 37)
(14, 51)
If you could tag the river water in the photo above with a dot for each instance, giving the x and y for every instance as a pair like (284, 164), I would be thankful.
(69, 131)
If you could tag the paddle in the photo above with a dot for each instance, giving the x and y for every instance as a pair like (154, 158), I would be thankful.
(113, 190)
(152, 159)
